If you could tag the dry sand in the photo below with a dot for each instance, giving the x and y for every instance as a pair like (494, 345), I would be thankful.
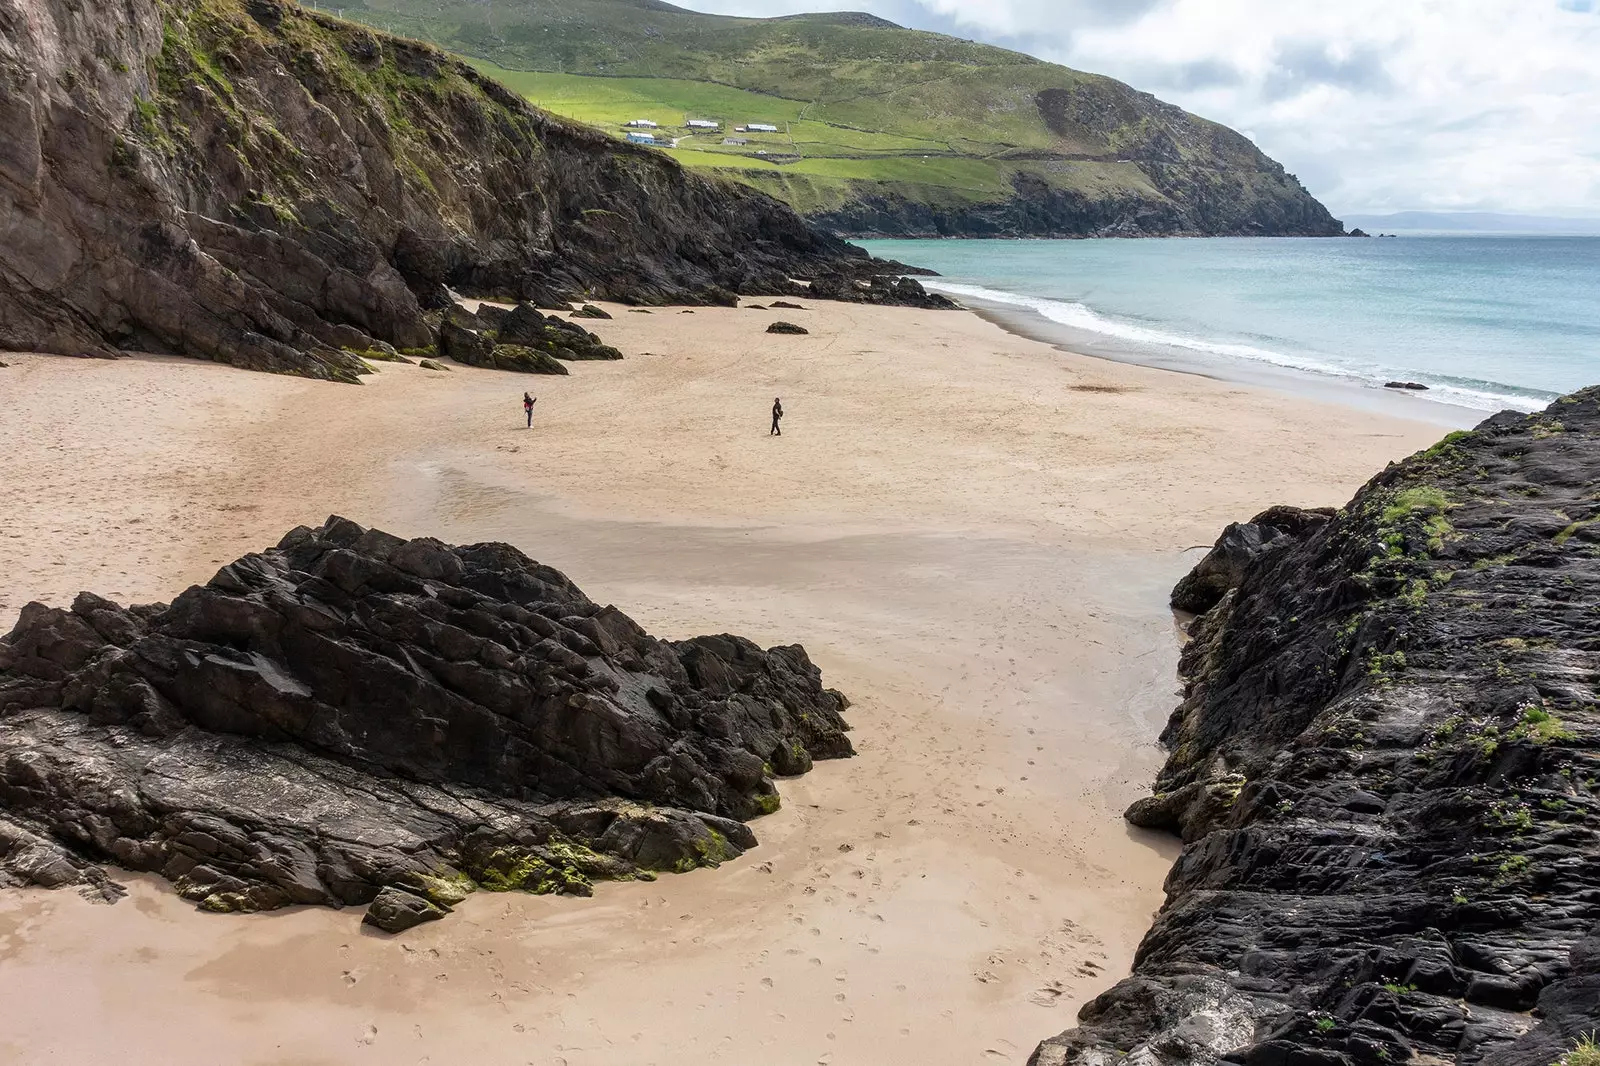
(973, 533)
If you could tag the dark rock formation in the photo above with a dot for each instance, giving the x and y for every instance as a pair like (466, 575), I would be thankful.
(1386, 771)
(591, 311)
(395, 910)
(270, 187)
(785, 305)
(904, 291)
(525, 360)
(556, 336)
(1179, 199)
(520, 339)
(1415, 386)
(787, 327)
(1225, 564)
(350, 713)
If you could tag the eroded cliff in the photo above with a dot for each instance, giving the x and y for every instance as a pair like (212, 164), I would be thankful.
(255, 183)
(1386, 771)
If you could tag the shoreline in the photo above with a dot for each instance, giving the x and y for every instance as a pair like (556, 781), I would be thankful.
(971, 533)
(1301, 383)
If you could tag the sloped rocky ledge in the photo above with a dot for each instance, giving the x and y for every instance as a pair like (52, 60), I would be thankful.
(351, 714)
(1386, 772)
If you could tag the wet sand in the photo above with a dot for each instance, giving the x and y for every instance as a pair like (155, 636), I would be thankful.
(971, 532)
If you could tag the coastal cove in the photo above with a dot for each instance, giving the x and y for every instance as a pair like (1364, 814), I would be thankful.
(972, 533)
(1487, 322)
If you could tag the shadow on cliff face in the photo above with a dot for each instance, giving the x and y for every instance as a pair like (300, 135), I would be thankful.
(280, 190)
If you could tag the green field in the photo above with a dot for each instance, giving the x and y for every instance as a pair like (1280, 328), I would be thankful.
(816, 164)
(868, 112)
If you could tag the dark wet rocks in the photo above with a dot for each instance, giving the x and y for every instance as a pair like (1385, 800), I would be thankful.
(394, 910)
(282, 192)
(1412, 386)
(1386, 773)
(590, 311)
(1224, 565)
(785, 305)
(519, 339)
(787, 327)
(351, 714)
(905, 292)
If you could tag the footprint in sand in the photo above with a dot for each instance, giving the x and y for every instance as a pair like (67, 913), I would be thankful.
(351, 976)
(766, 982)
(368, 1036)
(1047, 996)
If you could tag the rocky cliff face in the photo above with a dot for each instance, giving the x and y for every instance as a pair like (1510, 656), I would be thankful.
(250, 182)
(1386, 771)
(353, 717)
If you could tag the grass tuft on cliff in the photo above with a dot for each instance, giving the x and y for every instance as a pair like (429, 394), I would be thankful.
(1586, 1053)
(879, 128)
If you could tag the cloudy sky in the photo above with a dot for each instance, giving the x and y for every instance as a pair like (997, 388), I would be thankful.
(1378, 105)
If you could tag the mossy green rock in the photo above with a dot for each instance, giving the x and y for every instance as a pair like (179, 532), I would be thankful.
(524, 360)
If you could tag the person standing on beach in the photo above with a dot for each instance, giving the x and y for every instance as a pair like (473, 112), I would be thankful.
(527, 407)
(777, 414)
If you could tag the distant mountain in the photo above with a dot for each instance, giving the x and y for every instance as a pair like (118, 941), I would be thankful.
(875, 129)
(1473, 222)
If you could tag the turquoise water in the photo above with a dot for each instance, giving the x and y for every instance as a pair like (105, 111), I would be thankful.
(1486, 322)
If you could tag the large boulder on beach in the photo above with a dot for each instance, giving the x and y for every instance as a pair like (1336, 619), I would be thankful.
(350, 712)
(787, 327)
(525, 326)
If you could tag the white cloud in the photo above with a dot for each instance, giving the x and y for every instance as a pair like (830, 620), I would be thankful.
(1376, 104)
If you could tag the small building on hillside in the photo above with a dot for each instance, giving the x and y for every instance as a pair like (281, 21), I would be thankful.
(703, 124)
(736, 141)
(641, 138)
(761, 127)
(643, 124)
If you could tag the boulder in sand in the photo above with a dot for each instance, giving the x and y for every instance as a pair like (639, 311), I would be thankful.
(351, 712)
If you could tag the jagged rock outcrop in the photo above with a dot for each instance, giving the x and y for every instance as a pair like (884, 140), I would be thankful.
(350, 715)
(1224, 565)
(274, 188)
(1386, 772)
(904, 291)
(519, 339)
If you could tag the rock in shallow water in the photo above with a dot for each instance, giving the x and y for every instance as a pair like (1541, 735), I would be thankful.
(351, 711)
(1386, 771)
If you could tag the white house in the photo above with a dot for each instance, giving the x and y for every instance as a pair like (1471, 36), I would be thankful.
(640, 138)
(762, 127)
(703, 124)
(643, 124)
(736, 140)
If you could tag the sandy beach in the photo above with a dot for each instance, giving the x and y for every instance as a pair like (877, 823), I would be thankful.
(973, 533)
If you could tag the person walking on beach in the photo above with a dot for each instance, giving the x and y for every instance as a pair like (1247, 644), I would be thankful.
(527, 407)
(777, 415)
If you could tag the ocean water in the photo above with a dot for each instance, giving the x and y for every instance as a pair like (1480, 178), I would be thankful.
(1486, 322)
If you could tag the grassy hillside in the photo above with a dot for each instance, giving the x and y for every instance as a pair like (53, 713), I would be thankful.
(881, 129)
